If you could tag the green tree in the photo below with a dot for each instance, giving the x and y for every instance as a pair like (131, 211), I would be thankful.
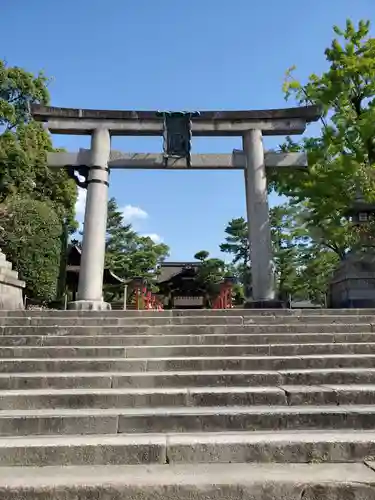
(289, 239)
(298, 252)
(31, 233)
(237, 244)
(304, 260)
(24, 144)
(19, 89)
(341, 159)
(285, 239)
(317, 265)
(128, 254)
(202, 255)
(120, 241)
(210, 273)
(23, 167)
(310, 234)
(237, 241)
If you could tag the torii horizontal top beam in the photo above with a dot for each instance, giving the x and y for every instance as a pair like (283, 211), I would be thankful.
(76, 121)
(235, 161)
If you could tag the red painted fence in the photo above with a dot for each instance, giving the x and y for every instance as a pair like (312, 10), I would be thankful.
(144, 299)
(224, 299)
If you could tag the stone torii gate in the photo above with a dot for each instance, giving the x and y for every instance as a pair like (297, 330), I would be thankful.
(95, 165)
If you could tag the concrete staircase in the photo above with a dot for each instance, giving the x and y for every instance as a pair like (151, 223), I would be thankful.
(187, 405)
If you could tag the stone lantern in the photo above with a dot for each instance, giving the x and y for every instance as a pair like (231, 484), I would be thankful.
(361, 212)
(353, 283)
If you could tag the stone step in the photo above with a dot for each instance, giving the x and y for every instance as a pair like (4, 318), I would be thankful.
(337, 446)
(138, 330)
(354, 481)
(245, 350)
(130, 321)
(338, 376)
(173, 379)
(151, 398)
(117, 391)
(189, 312)
(184, 419)
(20, 365)
(317, 319)
(160, 340)
(340, 445)
(185, 350)
(32, 399)
(6, 266)
(186, 320)
(8, 271)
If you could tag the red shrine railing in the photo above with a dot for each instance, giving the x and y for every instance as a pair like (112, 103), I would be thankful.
(145, 299)
(224, 299)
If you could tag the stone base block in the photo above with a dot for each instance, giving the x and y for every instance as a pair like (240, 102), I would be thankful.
(264, 304)
(11, 288)
(353, 283)
(89, 305)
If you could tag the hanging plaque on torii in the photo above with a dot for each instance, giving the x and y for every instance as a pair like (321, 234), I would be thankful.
(177, 135)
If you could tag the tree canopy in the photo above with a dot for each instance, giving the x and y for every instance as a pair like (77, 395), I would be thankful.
(341, 159)
(31, 234)
(310, 233)
(129, 254)
(24, 174)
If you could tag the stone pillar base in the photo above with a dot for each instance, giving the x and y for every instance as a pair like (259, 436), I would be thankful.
(264, 304)
(11, 288)
(89, 305)
(353, 282)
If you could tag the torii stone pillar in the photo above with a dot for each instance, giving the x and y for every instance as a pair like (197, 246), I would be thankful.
(253, 161)
(263, 280)
(90, 285)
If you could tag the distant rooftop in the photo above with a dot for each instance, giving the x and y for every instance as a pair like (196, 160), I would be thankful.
(170, 269)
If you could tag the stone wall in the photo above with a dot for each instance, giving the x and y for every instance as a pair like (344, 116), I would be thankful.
(11, 288)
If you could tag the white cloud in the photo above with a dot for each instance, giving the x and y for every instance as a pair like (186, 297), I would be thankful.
(81, 203)
(156, 238)
(131, 213)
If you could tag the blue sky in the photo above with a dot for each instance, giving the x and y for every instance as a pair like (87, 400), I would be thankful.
(170, 54)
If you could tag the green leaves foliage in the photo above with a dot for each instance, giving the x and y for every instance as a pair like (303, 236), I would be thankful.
(128, 254)
(24, 175)
(19, 89)
(30, 233)
(304, 260)
(341, 159)
(343, 156)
